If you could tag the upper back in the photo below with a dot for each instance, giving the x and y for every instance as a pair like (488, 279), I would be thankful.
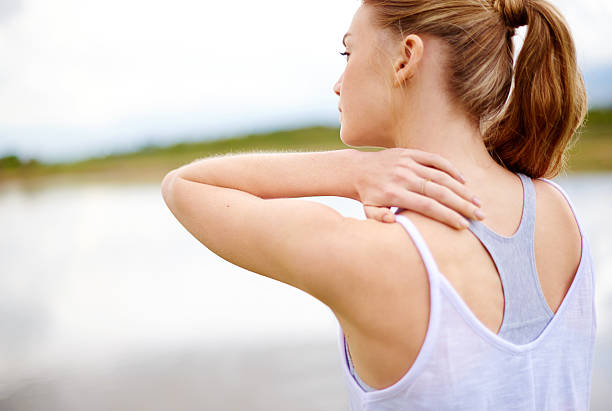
(467, 264)
(472, 283)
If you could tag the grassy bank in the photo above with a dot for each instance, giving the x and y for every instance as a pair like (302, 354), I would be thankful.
(152, 163)
(592, 153)
(594, 149)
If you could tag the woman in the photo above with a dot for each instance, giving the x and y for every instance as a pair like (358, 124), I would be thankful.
(432, 317)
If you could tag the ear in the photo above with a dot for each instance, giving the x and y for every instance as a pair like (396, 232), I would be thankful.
(407, 64)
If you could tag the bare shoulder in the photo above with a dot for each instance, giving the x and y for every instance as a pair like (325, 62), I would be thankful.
(553, 201)
(443, 241)
(389, 287)
(558, 243)
(387, 258)
(555, 218)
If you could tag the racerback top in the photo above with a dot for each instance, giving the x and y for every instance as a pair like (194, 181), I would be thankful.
(537, 361)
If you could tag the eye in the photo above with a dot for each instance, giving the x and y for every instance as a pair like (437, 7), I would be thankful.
(345, 54)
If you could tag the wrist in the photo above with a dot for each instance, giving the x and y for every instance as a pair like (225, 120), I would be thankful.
(352, 165)
(359, 160)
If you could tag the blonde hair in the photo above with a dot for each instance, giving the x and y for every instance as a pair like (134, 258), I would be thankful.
(528, 113)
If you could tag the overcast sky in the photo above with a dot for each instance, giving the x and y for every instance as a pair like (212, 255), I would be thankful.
(89, 77)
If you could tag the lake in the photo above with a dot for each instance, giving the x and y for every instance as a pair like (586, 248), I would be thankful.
(107, 303)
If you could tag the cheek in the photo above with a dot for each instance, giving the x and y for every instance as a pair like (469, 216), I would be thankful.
(366, 110)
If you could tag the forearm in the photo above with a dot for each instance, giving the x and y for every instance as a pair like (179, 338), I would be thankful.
(281, 175)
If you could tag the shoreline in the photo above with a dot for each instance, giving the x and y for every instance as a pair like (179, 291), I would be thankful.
(592, 153)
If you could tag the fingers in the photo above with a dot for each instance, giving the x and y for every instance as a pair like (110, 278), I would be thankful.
(445, 199)
(421, 204)
(433, 209)
(382, 214)
(449, 192)
(437, 161)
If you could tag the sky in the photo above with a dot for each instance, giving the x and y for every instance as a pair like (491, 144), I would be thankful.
(80, 78)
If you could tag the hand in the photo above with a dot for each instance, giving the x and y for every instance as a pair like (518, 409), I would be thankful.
(394, 177)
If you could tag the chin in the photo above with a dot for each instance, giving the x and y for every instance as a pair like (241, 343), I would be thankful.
(347, 138)
(358, 139)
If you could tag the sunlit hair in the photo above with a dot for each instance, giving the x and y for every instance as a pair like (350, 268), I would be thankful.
(528, 126)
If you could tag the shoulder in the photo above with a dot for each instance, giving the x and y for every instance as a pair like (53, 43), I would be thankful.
(385, 264)
(378, 255)
(385, 243)
(556, 225)
(554, 214)
(344, 262)
(552, 199)
(386, 285)
(441, 240)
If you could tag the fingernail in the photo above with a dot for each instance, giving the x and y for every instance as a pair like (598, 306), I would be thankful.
(464, 223)
(476, 201)
(479, 215)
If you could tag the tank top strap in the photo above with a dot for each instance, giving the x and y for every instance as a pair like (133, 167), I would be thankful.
(529, 206)
(526, 229)
(526, 312)
(421, 245)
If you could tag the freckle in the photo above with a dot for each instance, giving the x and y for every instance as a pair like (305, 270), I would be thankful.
(227, 205)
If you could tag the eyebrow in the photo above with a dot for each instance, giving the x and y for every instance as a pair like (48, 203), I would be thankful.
(344, 39)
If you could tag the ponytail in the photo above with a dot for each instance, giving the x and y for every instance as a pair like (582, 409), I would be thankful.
(548, 103)
(527, 128)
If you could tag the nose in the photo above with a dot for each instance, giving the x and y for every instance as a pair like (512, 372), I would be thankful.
(338, 85)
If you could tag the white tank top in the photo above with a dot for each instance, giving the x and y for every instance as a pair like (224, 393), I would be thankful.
(463, 365)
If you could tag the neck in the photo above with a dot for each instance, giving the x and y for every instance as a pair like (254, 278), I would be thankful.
(453, 136)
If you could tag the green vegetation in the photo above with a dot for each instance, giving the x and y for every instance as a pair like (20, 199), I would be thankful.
(599, 123)
(151, 163)
(13, 162)
(592, 153)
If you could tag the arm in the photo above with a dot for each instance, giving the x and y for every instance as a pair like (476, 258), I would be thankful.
(387, 178)
(304, 244)
(281, 175)
(230, 204)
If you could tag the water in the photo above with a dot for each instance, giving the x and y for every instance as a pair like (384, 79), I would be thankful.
(106, 302)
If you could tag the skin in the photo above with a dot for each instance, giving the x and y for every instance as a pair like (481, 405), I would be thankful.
(375, 114)
(383, 347)
(370, 273)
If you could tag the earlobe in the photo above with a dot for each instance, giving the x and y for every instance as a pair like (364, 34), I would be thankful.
(407, 65)
(402, 73)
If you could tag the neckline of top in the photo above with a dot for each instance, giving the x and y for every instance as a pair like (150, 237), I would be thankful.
(439, 283)
(497, 340)
(525, 183)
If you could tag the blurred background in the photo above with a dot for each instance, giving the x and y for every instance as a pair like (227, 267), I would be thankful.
(106, 302)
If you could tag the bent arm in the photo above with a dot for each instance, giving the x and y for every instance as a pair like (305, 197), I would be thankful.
(301, 243)
(279, 175)
(307, 245)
